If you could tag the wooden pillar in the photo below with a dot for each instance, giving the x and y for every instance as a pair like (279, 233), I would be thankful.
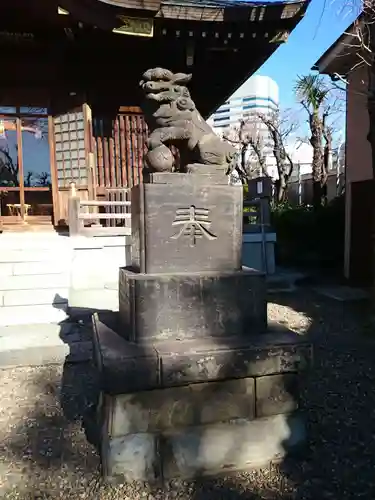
(74, 208)
(54, 180)
(20, 168)
(89, 148)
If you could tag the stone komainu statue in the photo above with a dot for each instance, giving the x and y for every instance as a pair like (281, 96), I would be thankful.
(173, 120)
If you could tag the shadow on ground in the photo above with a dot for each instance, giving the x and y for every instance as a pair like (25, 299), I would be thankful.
(47, 414)
(339, 402)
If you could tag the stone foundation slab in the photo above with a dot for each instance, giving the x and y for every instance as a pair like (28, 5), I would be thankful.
(202, 450)
(156, 307)
(184, 409)
(127, 367)
(170, 408)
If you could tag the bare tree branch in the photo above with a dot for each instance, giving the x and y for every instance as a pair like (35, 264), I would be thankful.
(279, 128)
(250, 143)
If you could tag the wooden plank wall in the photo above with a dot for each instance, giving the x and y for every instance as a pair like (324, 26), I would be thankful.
(120, 145)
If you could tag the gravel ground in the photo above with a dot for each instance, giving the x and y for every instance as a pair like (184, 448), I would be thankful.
(46, 424)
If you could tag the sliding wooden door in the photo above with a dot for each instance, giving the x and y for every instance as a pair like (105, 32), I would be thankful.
(25, 167)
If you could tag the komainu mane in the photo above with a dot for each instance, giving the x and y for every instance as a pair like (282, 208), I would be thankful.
(173, 120)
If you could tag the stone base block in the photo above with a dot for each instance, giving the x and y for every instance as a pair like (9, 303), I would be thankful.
(203, 450)
(180, 409)
(177, 407)
(127, 367)
(277, 394)
(230, 446)
(131, 458)
(183, 306)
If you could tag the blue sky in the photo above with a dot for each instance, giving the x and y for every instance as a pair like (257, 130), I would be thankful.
(324, 22)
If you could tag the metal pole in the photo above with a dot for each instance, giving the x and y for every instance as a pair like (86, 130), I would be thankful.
(263, 238)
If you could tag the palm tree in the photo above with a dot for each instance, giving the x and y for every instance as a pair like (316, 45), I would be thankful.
(312, 92)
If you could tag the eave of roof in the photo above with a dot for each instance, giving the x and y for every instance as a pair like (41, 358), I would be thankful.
(263, 26)
(227, 3)
(230, 10)
(213, 9)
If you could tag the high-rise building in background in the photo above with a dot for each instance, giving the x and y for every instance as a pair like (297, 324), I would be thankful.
(259, 95)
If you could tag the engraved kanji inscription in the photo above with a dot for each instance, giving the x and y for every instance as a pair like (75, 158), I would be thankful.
(194, 224)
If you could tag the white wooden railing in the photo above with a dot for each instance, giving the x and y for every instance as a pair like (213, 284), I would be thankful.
(112, 217)
(99, 217)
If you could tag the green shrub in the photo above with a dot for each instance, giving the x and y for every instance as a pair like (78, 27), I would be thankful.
(308, 237)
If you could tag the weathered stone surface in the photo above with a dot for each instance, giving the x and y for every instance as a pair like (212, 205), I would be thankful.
(277, 394)
(230, 446)
(133, 457)
(166, 409)
(123, 366)
(209, 176)
(183, 306)
(197, 228)
(127, 367)
(218, 359)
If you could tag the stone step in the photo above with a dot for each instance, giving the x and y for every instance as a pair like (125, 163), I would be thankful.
(57, 266)
(49, 254)
(34, 297)
(29, 314)
(32, 240)
(38, 248)
(35, 281)
(344, 294)
(40, 344)
(34, 278)
(93, 299)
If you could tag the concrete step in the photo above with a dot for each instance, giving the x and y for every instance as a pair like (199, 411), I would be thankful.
(35, 281)
(35, 296)
(284, 280)
(12, 255)
(34, 278)
(41, 273)
(29, 314)
(32, 240)
(56, 266)
(21, 249)
(342, 293)
(41, 344)
(91, 299)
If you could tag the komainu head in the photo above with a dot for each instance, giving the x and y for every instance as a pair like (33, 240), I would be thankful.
(162, 85)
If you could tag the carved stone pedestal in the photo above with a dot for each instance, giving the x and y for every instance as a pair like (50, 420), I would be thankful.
(183, 306)
(193, 379)
(182, 224)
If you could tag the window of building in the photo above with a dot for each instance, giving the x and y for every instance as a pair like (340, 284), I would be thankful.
(222, 110)
(221, 118)
(259, 98)
(70, 149)
(256, 106)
